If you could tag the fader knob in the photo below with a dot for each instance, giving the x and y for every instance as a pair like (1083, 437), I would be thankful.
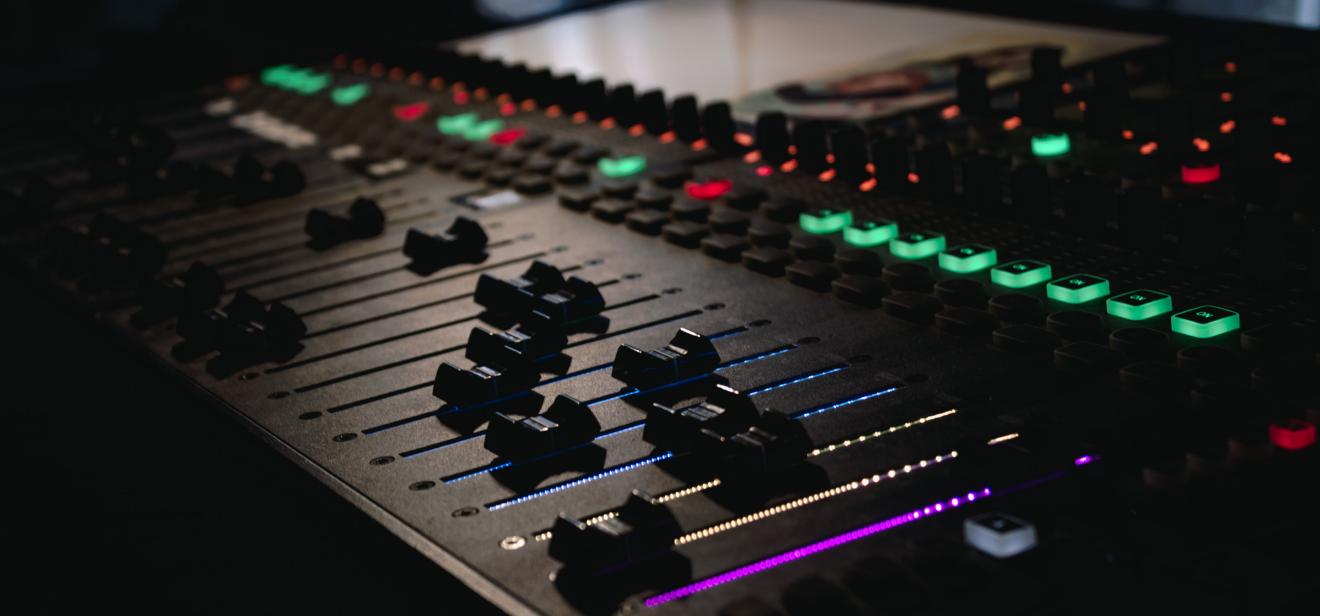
(772, 138)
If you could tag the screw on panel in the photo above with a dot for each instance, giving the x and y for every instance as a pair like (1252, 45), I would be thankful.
(465, 512)
(514, 542)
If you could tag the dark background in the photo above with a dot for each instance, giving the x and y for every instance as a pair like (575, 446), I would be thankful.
(123, 489)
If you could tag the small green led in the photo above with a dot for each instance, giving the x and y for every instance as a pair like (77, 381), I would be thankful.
(623, 166)
(482, 131)
(1077, 289)
(1205, 321)
(457, 124)
(917, 245)
(968, 258)
(1021, 274)
(349, 95)
(1050, 145)
(870, 232)
(1139, 305)
(825, 220)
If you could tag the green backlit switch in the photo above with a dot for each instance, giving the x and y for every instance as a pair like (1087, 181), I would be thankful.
(1021, 274)
(916, 245)
(1077, 289)
(870, 232)
(457, 124)
(968, 258)
(349, 95)
(1050, 145)
(825, 220)
(482, 131)
(623, 166)
(1139, 305)
(1205, 321)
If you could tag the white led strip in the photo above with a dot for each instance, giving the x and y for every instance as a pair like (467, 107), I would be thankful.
(878, 433)
(864, 482)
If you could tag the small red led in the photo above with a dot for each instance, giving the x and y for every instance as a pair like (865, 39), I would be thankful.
(1227, 127)
(1283, 157)
(1226, 97)
(508, 136)
(1230, 67)
(608, 124)
(436, 84)
(788, 166)
(827, 175)
(950, 112)
(377, 69)
(416, 78)
(1128, 135)
(1279, 121)
(637, 130)
(1066, 88)
(699, 145)
(237, 82)
(1201, 145)
(396, 73)
(1148, 148)
(508, 109)
(580, 117)
(710, 189)
(1013, 123)
(743, 139)
(528, 105)
(1200, 175)
(765, 171)
(867, 186)
(411, 111)
(913, 178)
(829, 158)
(668, 137)
(752, 157)
(553, 111)
(461, 97)
(1293, 435)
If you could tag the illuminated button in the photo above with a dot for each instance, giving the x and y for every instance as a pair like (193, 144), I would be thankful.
(870, 232)
(508, 136)
(710, 189)
(917, 244)
(1021, 274)
(623, 166)
(456, 124)
(1206, 321)
(1202, 174)
(1293, 435)
(968, 258)
(482, 131)
(1077, 289)
(411, 111)
(277, 75)
(1050, 145)
(1139, 305)
(999, 535)
(349, 95)
(824, 220)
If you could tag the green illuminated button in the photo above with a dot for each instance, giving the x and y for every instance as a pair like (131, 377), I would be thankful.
(308, 82)
(917, 245)
(482, 131)
(277, 75)
(1139, 305)
(349, 95)
(1021, 274)
(968, 258)
(623, 166)
(870, 232)
(1077, 289)
(1050, 145)
(1205, 321)
(457, 124)
(825, 220)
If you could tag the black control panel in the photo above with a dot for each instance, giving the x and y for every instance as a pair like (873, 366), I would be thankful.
(596, 349)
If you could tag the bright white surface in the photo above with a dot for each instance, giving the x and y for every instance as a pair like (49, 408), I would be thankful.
(728, 48)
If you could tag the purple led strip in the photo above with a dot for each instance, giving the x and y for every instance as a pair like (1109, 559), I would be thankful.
(813, 548)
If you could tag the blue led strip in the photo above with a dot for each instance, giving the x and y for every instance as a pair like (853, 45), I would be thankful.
(609, 472)
(758, 357)
(842, 403)
(769, 387)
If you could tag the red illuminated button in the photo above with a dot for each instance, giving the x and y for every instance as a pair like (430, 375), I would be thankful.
(507, 136)
(1203, 174)
(411, 111)
(1293, 435)
(710, 189)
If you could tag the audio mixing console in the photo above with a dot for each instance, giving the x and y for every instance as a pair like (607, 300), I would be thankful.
(1039, 346)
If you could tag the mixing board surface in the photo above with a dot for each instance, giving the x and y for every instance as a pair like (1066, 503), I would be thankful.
(1028, 326)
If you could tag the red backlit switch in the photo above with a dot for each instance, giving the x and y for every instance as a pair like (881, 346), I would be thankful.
(709, 189)
(507, 136)
(411, 111)
(1293, 434)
